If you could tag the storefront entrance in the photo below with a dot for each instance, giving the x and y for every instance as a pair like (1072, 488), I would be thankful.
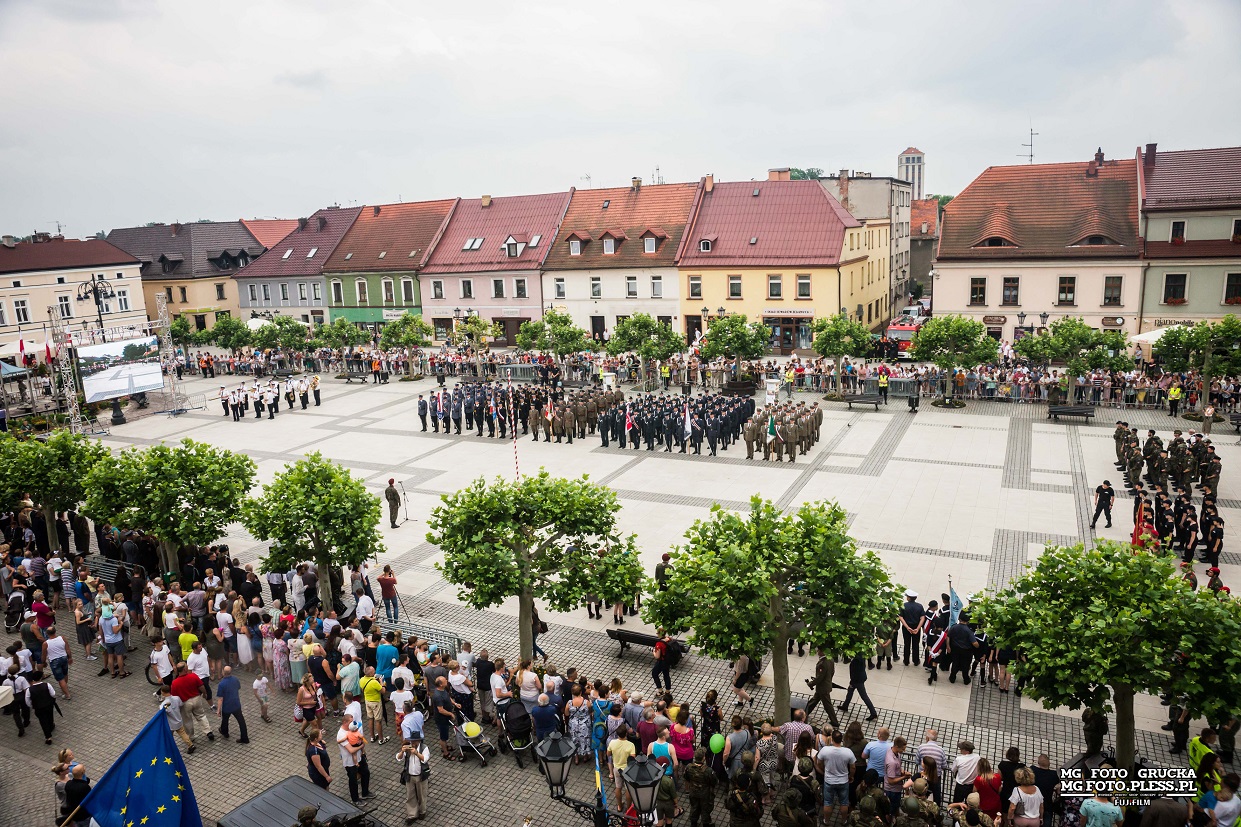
(789, 333)
(508, 331)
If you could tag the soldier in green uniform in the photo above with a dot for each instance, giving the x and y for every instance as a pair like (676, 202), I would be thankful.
(927, 809)
(1214, 583)
(1134, 461)
(1178, 458)
(821, 683)
(866, 814)
(910, 813)
(1150, 450)
(1119, 437)
(967, 814)
(749, 432)
(700, 781)
(1159, 470)
(1189, 576)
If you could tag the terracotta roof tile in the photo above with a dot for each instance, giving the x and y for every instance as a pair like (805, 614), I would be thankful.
(269, 231)
(530, 214)
(402, 232)
(661, 210)
(1193, 179)
(794, 222)
(291, 256)
(62, 254)
(924, 211)
(912, 150)
(1046, 211)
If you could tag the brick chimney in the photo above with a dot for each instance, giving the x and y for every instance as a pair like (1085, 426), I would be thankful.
(778, 174)
(636, 183)
(176, 228)
(1148, 160)
(844, 188)
(708, 183)
(322, 223)
(1098, 156)
(376, 209)
(301, 223)
(486, 201)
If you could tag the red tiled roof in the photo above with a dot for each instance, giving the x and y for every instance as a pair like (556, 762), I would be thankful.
(508, 216)
(1193, 179)
(323, 231)
(269, 231)
(63, 254)
(912, 150)
(794, 222)
(1045, 211)
(402, 233)
(924, 211)
(630, 214)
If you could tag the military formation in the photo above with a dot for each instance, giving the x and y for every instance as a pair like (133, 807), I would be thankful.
(265, 397)
(1166, 507)
(656, 421)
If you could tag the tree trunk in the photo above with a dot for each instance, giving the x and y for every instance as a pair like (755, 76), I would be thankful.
(168, 558)
(780, 661)
(327, 592)
(1122, 700)
(525, 616)
(840, 377)
(49, 521)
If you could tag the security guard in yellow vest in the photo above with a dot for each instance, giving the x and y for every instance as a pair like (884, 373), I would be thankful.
(883, 387)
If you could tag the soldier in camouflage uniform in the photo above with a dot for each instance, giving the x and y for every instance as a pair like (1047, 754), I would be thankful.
(927, 809)
(910, 813)
(1119, 437)
(968, 814)
(1149, 451)
(700, 781)
(1178, 459)
(867, 815)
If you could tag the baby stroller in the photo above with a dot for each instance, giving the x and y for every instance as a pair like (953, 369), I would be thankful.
(14, 611)
(516, 730)
(470, 739)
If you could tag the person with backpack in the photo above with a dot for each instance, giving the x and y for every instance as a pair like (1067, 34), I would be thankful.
(41, 698)
(742, 804)
(18, 707)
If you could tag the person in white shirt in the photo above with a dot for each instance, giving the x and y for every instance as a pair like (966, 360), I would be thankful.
(364, 611)
(261, 695)
(500, 694)
(403, 672)
(399, 696)
(347, 646)
(212, 580)
(466, 658)
(353, 756)
(198, 664)
(172, 625)
(964, 770)
(161, 659)
(329, 623)
(353, 706)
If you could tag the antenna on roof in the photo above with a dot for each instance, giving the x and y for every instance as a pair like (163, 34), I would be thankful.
(1029, 156)
(586, 178)
(657, 177)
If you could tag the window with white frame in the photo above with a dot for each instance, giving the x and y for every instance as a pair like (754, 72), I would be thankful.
(775, 286)
(519, 287)
(301, 292)
(359, 287)
(704, 246)
(734, 287)
(122, 301)
(21, 311)
(695, 287)
(596, 287)
(4, 315)
(497, 288)
(316, 292)
(657, 287)
(437, 289)
(407, 291)
(338, 292)
(803, 285)
(609, 246)
(575, 247)
(467, 288)
(284, 292)
(631, 287)
(266, 294)
(389, 291)
(253, 290)
(649, 243)
(558, 287)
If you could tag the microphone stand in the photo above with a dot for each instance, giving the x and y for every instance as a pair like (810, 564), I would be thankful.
(404, 499)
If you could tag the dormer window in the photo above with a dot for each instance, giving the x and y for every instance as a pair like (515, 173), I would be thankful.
(996, 241)
(649, 243)
(243, 260)
(609, 246)
(704, 246)
(513, 249)
(575, 247)
(1095, 241)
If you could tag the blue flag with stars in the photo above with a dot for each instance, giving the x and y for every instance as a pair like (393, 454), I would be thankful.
(147, 786)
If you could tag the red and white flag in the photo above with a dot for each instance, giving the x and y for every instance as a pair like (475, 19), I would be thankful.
(629, 426)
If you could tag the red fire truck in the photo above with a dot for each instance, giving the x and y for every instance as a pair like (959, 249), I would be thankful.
(902, 330)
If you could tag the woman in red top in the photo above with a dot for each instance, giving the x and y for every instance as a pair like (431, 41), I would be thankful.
(987, 785)
(387, 590)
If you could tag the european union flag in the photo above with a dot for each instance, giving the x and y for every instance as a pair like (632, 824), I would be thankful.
(147, 786)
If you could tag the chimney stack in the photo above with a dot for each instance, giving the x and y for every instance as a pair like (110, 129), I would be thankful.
(708, 183)
(1098, 156)
(376, 209)
(322, 223)
(301, 223)
(486, 201)
(176, 228)
(844, 188)
(42, 238)
(1148, 160)
(1092, 169)
(779, 174)
(636, 183)
(10, 241)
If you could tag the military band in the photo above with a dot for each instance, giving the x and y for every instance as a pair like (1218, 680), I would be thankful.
(265, 397)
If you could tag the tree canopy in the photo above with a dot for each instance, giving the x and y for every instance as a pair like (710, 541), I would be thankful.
(952, 342)
(840, 336)
(1096, 626)
(408, 331)
(231, 333)
(54, 472)
(180, 494)
(554, 333)
(735, 336)
(746, 583)
(540, 537)
(180, 332)
(283, 332)
(1211, 348)
(341, 333)
(475, 331)
(1077, 345)
(809, 173)
(646, 336)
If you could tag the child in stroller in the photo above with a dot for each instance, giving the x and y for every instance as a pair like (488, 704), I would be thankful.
(516, 729)
(13, 611)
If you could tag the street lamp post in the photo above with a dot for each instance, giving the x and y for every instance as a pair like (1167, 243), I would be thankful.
(641, 779)
(97, 289)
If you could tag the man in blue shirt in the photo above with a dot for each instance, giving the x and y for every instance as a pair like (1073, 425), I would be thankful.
(385, 658)
(877, 750)
(113, 631)
(228, 704)
(545, 718)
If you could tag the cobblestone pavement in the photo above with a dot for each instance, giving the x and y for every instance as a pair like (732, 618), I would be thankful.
(970, 495)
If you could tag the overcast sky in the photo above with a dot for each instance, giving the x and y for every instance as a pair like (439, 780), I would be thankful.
(119, 112)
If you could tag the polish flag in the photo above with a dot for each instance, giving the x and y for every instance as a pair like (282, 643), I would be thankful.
(629, 426)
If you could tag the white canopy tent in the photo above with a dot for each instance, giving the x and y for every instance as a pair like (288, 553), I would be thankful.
(1152, 336)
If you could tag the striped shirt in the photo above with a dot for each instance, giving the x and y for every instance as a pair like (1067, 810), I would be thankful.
(932, 749)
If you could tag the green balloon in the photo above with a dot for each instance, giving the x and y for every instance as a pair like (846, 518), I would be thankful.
(717, 743)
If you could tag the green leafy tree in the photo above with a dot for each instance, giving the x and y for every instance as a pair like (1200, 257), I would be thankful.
(1077, 345)
(807, 174)
(736, 336)
(1211, 348)
(283, 332)
(231, 333)
(341, 333)
(408, 331)
(475, 331)
(554, 333)
(315, 510)
(745, 583)
(53, 472)
(133, 352)
(841, 336)
(180, 494)
(201, 338)
(951, 342)
(646, 336)
(181, 332)
(943, 200)
(1096, 627)
(540, 537)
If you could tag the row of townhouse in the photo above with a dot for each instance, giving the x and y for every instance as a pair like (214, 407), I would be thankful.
(1130, 244)
(781, 251)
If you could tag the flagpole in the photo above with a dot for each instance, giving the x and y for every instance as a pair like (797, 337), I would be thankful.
(71, 817)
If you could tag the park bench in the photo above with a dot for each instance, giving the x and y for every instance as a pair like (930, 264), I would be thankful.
(360, 375)
(282, 373)
(862, 399)
(1057, 411)
(676, 649)
(104, 568)
(1235, 419)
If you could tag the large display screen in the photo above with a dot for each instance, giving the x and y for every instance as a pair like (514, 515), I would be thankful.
(120, 368)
